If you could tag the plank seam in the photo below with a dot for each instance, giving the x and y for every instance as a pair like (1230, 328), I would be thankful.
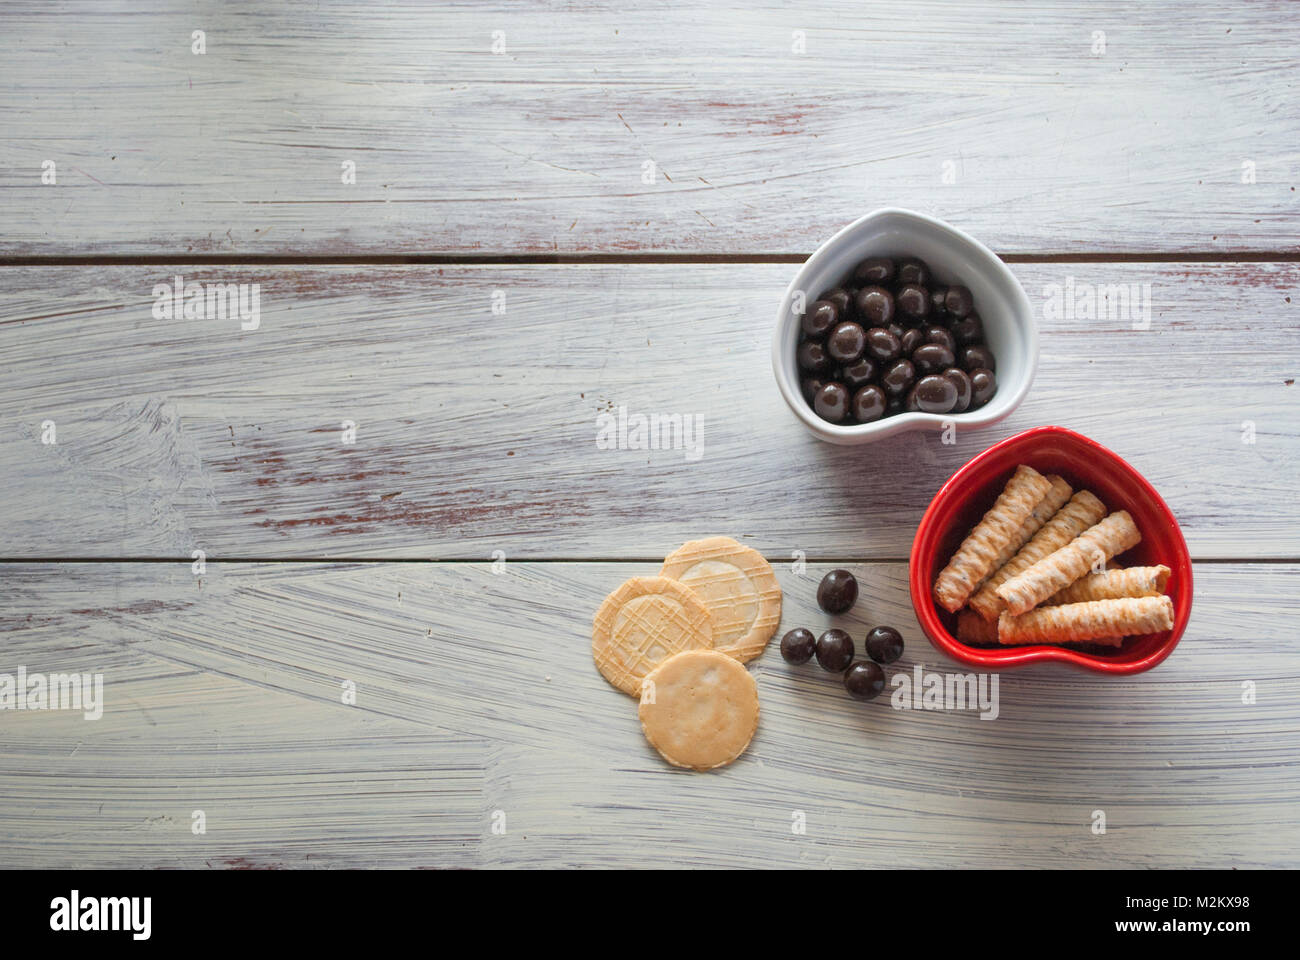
(587, 259)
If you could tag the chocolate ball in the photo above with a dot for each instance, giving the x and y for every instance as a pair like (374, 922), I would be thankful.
(934, 394)
(932, 358)
(912, 270)
(838, 592)
(842, 299)
(968, 330)
(964, 391)
(913, 303)
(941, 335)
(835, 650)
(812, 357)
(958, 301)
(882, 345)
(875, 270)
(983, 385)
(846, 343)
(857, 375)
(973, 358)
(898, 377)
(869, 404)
(864, 680)
(798, 645)
(822, 315)
(884, 644)
(832, 402)
(875, 305)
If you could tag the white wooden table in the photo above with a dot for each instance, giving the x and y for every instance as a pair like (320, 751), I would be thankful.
(447, 563)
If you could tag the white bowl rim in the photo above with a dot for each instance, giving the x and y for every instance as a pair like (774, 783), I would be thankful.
(1004, 403)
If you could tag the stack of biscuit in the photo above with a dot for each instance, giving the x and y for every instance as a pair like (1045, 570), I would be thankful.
(678, 643)
(1038, 568)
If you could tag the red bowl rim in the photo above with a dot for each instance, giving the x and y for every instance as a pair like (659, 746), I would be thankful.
(929, 530)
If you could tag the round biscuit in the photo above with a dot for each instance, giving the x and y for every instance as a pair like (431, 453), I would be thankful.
(739, 588)
(699, 709)
(643, 623)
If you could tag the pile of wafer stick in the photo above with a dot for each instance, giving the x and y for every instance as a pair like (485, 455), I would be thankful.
(1039, 568)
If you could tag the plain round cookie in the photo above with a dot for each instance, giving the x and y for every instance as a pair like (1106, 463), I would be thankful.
(643, 623)
(699, 709)
(739, 588)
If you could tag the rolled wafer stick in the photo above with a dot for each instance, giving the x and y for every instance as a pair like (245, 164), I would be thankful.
(1057, 494)
(972, 628)
(1095, 621)
(974, 559)
(1113, 584)
(1058, 570)
(1078, 515)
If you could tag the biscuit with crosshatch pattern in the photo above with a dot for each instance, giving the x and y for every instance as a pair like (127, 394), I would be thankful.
(699, 709)
(644, 622)
(739, 588)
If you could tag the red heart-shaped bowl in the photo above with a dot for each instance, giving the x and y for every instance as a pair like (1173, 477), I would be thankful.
(1086, 465)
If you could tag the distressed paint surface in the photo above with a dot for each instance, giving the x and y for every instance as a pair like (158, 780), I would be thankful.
(476, 694)
(999, 117)
(476, 701)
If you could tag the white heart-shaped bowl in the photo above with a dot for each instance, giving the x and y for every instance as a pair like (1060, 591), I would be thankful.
(953, 257)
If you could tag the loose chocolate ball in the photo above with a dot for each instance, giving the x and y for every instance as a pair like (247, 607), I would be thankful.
(875, 305)
(897, 329)
(898, 378)
(869, 404)
(968, 330)
(941, 335)
(857, 375)
(846, 343)
(913, 303)
(983, 385)
(972, 358)
(864, 680)
(822, 315)
(964, 391)
(883, 345)
(809, 386)
(934, 394)
(937, 307)
(834, 650)
(910, 340)
(798, 645)
(958, 301)
(842, 299)
(875, 270)
(932, 358)
(832, 402)
(812, 358)
(884, 644)
(912, 270)
(837, 592)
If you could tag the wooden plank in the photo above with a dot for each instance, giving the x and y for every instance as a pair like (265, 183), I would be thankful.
(476, 694)
(275, 780)
(1000, 117)
(477, 432)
